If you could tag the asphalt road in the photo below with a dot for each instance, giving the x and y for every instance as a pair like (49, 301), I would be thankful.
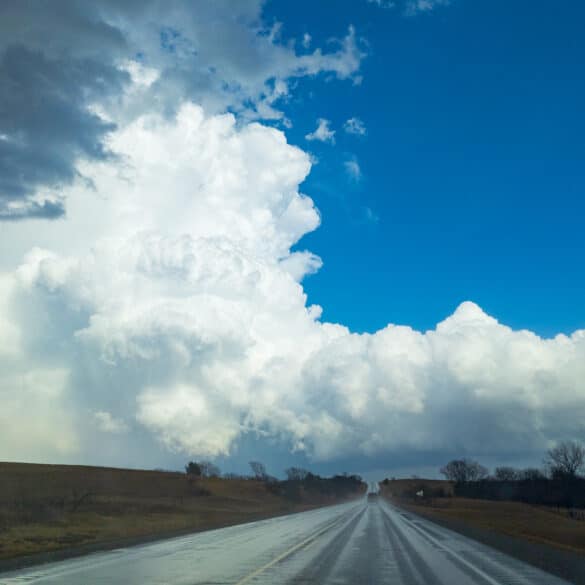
(357, 543)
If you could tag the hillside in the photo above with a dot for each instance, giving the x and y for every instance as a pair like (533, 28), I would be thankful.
(550, 538)
(555, 526)
(46, 508)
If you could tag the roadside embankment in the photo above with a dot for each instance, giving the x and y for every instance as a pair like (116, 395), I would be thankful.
(49, 512)
(543, 537)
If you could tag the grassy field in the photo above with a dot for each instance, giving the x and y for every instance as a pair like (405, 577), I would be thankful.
(536, 524)
(53, 507)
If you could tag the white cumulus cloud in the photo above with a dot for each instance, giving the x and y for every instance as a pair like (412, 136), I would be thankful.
(355, 126)
(323, 132)
(414, 7)
(170, 302)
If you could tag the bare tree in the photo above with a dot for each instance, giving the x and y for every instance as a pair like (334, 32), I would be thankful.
(232, 475)
(506, 474)
(209, 469)
(193, 468)
(566, 459)
(530, 474)
(464, 470)
(479, 472)
(259, 470)
(296, 473)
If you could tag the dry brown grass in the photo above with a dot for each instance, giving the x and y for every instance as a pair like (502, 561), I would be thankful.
(532, 523)
(53, 507)
(408, 487)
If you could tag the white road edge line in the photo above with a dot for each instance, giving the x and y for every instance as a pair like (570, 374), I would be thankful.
(442, 546)
(289, 552)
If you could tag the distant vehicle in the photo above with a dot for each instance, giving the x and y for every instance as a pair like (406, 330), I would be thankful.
(372, 497)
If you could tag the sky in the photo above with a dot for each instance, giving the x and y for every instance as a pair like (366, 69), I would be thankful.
(343, 235)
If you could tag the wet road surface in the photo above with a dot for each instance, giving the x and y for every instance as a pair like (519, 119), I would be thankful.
(357, 543)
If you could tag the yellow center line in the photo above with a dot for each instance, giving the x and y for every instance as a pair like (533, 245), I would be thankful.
(289, 552)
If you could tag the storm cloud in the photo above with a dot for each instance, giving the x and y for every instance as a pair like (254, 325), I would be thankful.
(47, 126)
(181, 312)
(65, 70)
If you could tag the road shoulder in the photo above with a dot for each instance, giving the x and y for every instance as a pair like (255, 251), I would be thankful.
(563, 563)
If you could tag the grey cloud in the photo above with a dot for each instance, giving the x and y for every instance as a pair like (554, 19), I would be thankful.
(46, 125)
(57, 60)
(62, 28)
(34, 210)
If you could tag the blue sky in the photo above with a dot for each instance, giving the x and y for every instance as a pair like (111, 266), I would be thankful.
(473, 163)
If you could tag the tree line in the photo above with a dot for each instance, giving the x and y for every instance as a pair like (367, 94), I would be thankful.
(259, 473)
(298, 483)
(564, 460)
(558, 483)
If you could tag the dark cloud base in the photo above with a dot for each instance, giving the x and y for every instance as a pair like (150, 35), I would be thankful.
(46, 125)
